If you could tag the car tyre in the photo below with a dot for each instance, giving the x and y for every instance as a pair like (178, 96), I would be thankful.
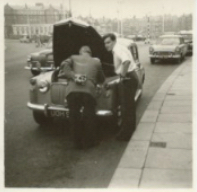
(34, 72)
(41, 119)
(152, 60)
(178, 61)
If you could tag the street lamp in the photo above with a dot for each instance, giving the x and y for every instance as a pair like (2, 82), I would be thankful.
(163, 21)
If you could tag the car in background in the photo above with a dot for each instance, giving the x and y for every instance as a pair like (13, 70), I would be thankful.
(47, 92)
(41, 61)
(25, 39)
(188, 38)
(136, 37)
(168, 47)
(147, 41)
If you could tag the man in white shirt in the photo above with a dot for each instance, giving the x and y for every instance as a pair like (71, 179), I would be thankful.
(124, 67)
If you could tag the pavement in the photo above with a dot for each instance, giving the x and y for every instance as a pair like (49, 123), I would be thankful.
(159, 154)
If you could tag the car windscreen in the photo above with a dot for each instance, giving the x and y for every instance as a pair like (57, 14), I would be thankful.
(168, 41)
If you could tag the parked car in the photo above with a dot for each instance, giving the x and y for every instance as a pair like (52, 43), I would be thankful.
(147, 41)
(25, 39)
(188, 38)
(41, 61)
(168, 47)
(47, 92)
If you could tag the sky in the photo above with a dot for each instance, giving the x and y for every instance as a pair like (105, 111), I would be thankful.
(126, 8)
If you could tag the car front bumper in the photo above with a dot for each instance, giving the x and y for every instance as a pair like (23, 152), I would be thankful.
(165, 56)
(46, 108)
(40, 69)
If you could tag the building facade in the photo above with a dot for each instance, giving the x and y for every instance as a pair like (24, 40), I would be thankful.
(31, 20)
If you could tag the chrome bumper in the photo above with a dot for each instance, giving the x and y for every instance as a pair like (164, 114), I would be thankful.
(39, 69)
(45, 108)
(165, 56)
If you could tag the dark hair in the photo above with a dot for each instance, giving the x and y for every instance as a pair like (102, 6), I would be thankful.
(109, 35)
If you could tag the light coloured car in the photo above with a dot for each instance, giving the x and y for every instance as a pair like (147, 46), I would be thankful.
(25, 39)
(168, 47)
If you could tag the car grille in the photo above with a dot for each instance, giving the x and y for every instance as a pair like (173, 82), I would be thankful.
(43, 64)
(58, 93)
(163, 53)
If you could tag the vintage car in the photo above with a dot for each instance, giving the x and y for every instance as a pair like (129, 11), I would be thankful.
(188, 38)
(41, 61)
(25, 39)
(168, 47)
(47, 92)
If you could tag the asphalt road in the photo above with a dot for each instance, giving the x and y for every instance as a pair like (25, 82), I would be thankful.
(37, 157)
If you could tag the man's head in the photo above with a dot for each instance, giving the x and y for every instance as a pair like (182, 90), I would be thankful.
(84, 50)
(109, 41)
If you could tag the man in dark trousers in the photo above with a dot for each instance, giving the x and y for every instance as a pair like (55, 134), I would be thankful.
(124, 67)
(83, 73)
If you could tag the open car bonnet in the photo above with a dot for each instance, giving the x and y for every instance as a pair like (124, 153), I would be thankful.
(70, 34)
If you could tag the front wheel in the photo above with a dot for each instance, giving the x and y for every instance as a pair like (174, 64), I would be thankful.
(41, 119)
(178, 61)
(34, 72)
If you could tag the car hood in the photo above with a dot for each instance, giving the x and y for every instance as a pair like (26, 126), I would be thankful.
(42, 56)
(70, 34)
(164, 47)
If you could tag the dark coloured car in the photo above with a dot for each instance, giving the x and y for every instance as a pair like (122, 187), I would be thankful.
(41, 61)
(47, 92)
(188, 38)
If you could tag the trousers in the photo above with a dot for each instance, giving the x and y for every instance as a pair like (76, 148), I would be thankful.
(127, 90)
(83, 125)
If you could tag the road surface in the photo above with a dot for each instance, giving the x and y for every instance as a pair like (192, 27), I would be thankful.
(45, 158)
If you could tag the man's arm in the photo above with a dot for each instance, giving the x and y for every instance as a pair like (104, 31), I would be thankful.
(66, 69)
(125, 67)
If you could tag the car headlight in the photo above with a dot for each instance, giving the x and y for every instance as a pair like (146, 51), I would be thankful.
(177, 50)
(28, 58)
(151, 50)
(43, 86)
(32, 81)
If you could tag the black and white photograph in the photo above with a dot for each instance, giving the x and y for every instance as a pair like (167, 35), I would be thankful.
(98, 94)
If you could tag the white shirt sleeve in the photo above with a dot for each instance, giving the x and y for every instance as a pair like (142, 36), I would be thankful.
(125, 55)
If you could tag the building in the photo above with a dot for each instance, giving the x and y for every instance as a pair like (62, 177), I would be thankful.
(31, 20)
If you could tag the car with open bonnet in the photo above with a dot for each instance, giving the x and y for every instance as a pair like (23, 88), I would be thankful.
(47, 91)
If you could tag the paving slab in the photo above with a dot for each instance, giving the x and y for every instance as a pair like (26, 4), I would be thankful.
(166, 127)
(174, 140)
(125, 178)
(144, 131)
(149, 116)
(177, 109)
(180, 93)
(177, 103)
(165, 178)
(134, 155)
(169, 158)
(176, 118)
(174, 97)
(155, 105)
(159, 96)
